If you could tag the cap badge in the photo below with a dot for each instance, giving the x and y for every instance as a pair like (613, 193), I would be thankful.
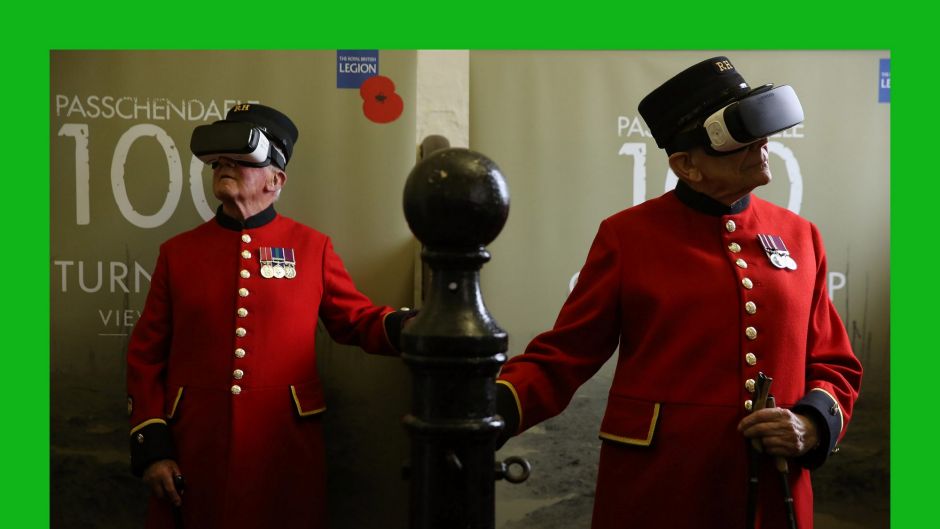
(723, 66)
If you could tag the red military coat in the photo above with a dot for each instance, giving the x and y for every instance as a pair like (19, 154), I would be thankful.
(683, 285)
(222, 372)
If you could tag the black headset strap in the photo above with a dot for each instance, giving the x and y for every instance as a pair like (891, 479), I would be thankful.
(696, 137)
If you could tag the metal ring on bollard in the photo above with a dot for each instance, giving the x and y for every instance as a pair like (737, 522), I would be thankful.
(522, 475)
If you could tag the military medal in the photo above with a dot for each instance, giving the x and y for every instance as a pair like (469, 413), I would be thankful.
(277, 263)
(775, 256)
(267, 271)
(777, 251)
(290, 271)
(278, 257)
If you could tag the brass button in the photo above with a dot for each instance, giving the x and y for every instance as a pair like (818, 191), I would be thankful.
(748, 404)
(246, 254)
(750, 358)
(750, 307)
(730, 226)
(239, 353)
(748, 284)
(751, 333)
(236, 389)
(734, 247)
(238, 374)
(240, 332)
(245, 274)
(246, 238)
(741, 263)
(749, 385)
(243, 292)
(242, 312)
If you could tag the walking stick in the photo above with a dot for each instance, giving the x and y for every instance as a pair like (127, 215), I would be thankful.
(177, 510)
(781, 463)
(763, 399)
(761, 392)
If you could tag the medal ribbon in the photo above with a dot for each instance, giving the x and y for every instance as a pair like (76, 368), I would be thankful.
(768, 243)
(277, 255)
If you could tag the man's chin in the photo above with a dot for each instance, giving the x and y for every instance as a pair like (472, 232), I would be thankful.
(764, 177)
(223, 193)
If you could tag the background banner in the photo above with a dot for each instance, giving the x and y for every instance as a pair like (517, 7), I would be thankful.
(564, 128)
(123, 180)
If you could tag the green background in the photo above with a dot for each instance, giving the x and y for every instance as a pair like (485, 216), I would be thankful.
(31, 31)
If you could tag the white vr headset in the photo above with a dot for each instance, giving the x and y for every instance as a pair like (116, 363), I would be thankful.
(764, 111)
(240, 141)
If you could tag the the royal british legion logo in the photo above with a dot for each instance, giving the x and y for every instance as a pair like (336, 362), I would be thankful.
(355, 66)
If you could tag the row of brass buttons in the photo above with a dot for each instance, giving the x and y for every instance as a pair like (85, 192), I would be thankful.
(750, 307)
(242, 312)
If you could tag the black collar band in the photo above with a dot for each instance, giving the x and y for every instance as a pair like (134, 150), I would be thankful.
(255, 221)
(708, 205)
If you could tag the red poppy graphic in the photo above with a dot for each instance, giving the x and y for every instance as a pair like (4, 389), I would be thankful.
(380, 103)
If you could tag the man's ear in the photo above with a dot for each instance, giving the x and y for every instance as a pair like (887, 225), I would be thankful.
(682, 164)
(280, 178)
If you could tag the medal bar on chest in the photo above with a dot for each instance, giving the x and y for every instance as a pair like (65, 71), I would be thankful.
(777, 251)
(277, 263)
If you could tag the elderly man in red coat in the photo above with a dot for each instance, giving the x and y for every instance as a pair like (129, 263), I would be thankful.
(703, 289)
(221, 367)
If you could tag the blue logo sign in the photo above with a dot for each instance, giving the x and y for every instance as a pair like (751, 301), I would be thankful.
(355, 66)
(884, 81)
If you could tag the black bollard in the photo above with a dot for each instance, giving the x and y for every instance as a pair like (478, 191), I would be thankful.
(456, 201)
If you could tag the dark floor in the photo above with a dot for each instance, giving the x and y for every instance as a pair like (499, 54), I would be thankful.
(92, 488)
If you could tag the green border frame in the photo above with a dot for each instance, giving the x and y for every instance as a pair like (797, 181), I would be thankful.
(32, 31)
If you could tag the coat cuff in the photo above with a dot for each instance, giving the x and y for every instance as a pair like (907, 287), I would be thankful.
(821, 408)
(150, 441)
(394, 322)
(507, 407)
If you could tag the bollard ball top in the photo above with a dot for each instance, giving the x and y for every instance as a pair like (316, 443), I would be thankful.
(456, 198)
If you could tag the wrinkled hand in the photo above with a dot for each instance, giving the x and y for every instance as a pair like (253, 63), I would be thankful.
(782, 432)
(159, 477)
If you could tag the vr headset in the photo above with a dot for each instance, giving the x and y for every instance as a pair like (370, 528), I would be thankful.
(762, 112)
(241, 141)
